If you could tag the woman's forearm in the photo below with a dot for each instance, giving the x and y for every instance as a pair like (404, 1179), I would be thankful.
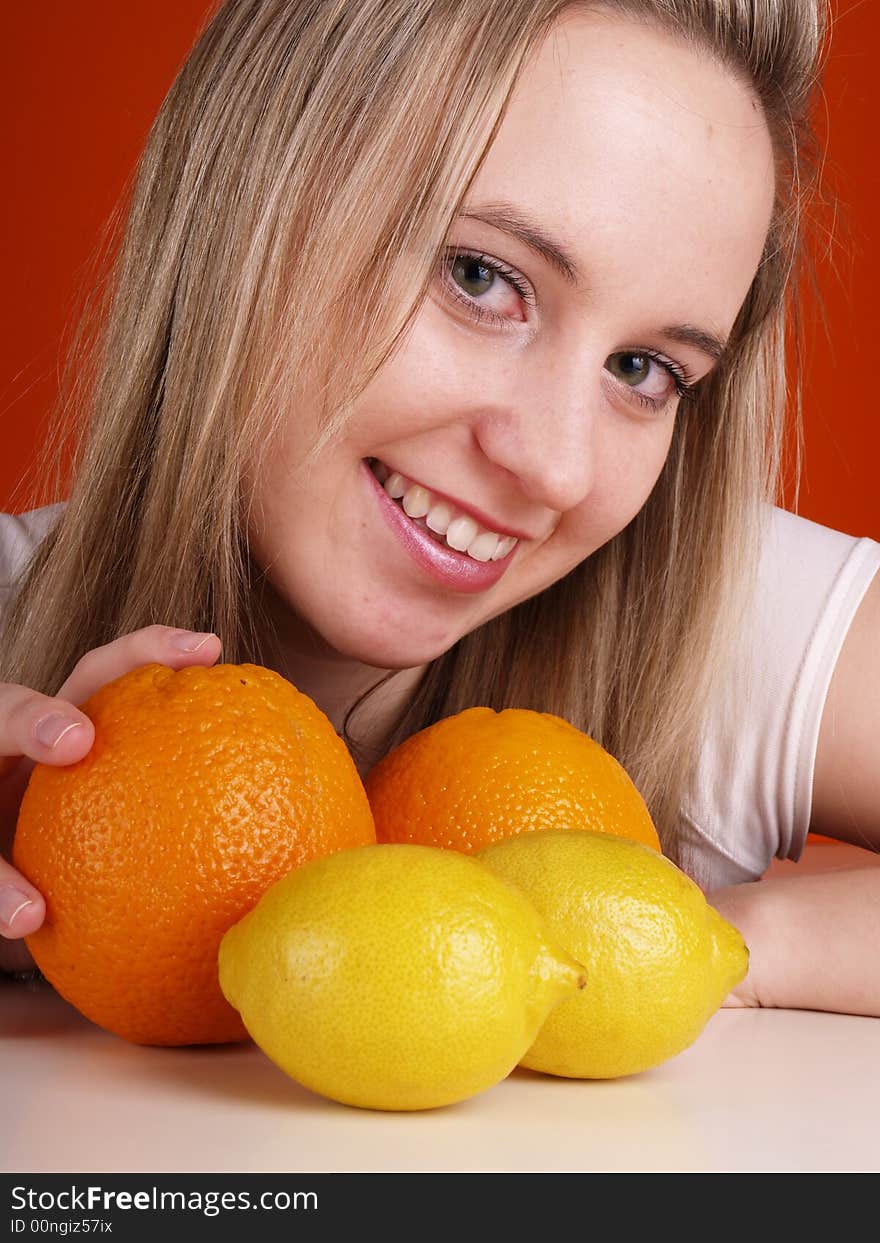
(814, 940)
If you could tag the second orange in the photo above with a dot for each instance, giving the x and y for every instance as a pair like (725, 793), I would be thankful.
(480, 776)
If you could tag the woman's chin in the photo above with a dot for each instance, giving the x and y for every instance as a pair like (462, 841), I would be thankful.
(393, 651)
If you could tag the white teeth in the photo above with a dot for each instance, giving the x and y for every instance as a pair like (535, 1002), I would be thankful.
(439, 517)
(504, 546)
(483, 547)
(462, 533)
(416, 501)
(395, 485)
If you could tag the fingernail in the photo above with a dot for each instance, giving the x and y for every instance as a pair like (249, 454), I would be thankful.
(189, 640)
(12, 902)
(51, 729)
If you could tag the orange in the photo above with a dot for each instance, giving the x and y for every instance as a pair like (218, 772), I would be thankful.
(481, 775)
(202, 789)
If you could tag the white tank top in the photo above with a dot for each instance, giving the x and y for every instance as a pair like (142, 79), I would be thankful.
(751, 794)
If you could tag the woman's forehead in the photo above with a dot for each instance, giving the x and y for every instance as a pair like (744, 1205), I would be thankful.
(639, 151)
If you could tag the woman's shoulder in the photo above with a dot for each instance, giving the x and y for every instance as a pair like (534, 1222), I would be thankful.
(811, 580)
(751, 794)
(20, 536)
(799, 549)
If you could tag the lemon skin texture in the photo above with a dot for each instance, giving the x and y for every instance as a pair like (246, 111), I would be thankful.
(659, 959)
(394, 976)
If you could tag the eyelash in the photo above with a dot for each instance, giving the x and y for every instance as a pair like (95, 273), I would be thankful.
(685, 385)
(492, 265)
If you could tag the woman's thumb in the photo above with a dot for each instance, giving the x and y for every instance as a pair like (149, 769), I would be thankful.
(22, 909)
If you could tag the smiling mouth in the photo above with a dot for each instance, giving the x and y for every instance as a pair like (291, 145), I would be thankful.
(453, 530)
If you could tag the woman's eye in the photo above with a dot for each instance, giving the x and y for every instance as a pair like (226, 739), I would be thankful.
(488, 290)
(472, 276)
(654, 380)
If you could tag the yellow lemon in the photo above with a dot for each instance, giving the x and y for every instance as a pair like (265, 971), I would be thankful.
(394, 976)
(659, 959)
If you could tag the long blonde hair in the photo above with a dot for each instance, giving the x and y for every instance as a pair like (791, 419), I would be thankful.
(298, 130)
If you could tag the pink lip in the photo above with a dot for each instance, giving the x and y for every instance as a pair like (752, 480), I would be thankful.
(442, 563)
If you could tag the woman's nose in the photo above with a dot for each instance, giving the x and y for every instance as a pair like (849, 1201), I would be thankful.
(544, 429)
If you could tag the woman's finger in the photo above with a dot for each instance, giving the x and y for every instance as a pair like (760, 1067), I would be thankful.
(163, 644)
(22, 909)
(44, 728)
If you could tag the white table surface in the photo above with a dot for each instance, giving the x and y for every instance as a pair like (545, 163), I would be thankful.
(760, 1090)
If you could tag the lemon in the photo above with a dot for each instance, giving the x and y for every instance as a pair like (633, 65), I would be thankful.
(659, 959)
(394, 976)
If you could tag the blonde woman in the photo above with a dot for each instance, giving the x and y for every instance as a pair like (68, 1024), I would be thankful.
(444, 365)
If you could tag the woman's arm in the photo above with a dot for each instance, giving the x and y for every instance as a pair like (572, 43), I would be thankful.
(814, 939)
(846, 777)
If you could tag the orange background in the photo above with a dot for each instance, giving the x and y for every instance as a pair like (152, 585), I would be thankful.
(80, 84)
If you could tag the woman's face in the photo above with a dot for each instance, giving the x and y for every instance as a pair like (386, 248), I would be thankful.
(537, 395)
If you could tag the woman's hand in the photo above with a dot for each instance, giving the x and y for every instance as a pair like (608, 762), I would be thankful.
(743, 996)
(37, 728)
(735, 903)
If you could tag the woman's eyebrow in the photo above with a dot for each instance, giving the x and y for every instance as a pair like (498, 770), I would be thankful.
(686, 334)
(515, 221)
